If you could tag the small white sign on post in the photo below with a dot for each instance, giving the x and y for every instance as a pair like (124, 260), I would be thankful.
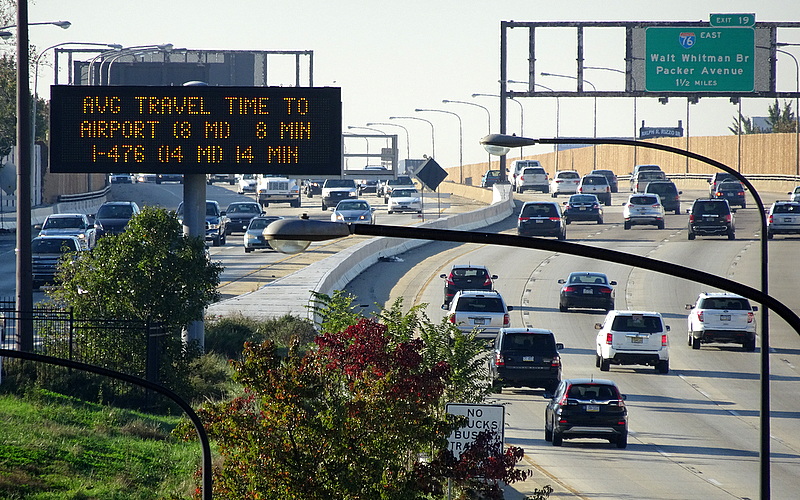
(479, 418)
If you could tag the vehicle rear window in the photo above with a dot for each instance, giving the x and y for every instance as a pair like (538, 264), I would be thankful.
(480, 304)
(732, 304)
(583, 198)
(595, 180)
(710, 208)
(643, 200)
(660, 188)
(115, 212)
(587, 278)
(730, 186)
(529, 342)
(638, 323)
(465, 272)
(596, 392)
(786, 209)
(569, 175)
(539, 210)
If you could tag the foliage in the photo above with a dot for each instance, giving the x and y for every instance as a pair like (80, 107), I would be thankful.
(151, 271)
(227, 335)
(8, 107)
(353, 418)
(57, 447)
(780, 121)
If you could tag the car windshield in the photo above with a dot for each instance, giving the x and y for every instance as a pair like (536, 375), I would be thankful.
(47, 245)
(404, 193)
(643, 200)
(529, 342)
(352, 205)
(786, 208)
(260, 223)
(212, 209)
(596, 392)
(115, 212)
(638, 323)
(340, 183)
(63, 223)
(588, 278)
(595, 180)
(539, 210)
(400, 181)
(583, 198)
(244, 208)
(729, 303)
(480, 304)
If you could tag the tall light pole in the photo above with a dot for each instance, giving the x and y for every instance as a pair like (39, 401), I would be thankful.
(521, 113)
(433, 142)
(594, 133)
(633, 80)
(460, 139)
(408, 145)
(558, 114)
(489, 121)
(796, 104)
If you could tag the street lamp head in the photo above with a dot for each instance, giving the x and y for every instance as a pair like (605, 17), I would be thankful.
(63, 24)
(5, 34)
(114, 46)
(501, 144)
(293, 236)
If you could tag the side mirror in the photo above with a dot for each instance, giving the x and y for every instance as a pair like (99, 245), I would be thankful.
(598, 326)
(444, 306)
(559, 346)
(443, 276)
(755, 308)
(494, 276)
(689, 307)
(623, 396)
(510, 308)
(680, 192)
(547, 395)
(222, 212)
(612, 282)
(667, 327)
(38, 227)
(562, 281)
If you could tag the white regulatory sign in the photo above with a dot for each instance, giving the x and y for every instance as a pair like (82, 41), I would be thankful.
(479, 418)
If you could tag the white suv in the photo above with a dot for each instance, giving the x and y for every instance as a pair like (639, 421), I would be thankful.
(564, 182)
(632, 338)
(534, 178)
(643, 208)
(481, 310)
(724, 318)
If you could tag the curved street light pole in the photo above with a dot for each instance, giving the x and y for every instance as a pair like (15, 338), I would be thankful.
(460, 140)
(521, 114)
(594, 133)
(501, 143)
(488, 117)
(408, 145)
(433, 142)
(796, 111)
(558, 114)
(633, 79)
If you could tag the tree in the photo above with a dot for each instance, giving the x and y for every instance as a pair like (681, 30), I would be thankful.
(782, 121)
(151, 271)
(361, 416)
(747, 126)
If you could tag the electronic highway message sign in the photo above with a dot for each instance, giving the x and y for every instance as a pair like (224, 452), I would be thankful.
(294, 131)
(699, 59)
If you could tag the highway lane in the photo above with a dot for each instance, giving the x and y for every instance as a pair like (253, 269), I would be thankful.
(694, 432)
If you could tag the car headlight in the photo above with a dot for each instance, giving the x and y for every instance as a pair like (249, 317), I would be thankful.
(249, 237)
(351, 194)
(363, 217)
(213, 226)
(339, 217)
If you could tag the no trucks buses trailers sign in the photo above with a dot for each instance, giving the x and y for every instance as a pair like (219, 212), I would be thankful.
(699, 59)
(480, 418)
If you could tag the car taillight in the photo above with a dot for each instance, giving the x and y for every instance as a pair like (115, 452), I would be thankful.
(609, 338)
(595, 205)
(728, 218)
(769, 219)
(555, 219)
(524, 219)
(740, 193)
(691, 217)
(751, 317)
(450, 279)
(452, 319)
(556, 361)
(498, 359)
(664, 340)
(700, 316)
(570, 288)
(655, 205)
(487, 281)
(559, 181)
(608, 189)
(580, 189)
(506, 320)
(718, 194)
(604, 289)
(568, 207)
(522, 178)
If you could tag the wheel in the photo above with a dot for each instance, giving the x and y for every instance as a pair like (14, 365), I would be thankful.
(608, 201)
(731, 235)
(662, 366)
(626, 225)
(563, 308)
(215, 242)
(599, 220)
(691, 236)
(749, 345)
(744, 205)
(324, 206)
(689, 339)
(390, 212)
(660, 225)
(695, 343)
(562, 236)
(597, 360)
(558, 439)
(605, 364)
(677, 211)
(546, 189)
(567, 221)
(222, 239)
(548, 434)
(248, 250)
(554, 195)
(622, 441)
(770, 235)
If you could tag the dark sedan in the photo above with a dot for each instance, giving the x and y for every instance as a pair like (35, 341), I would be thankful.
(733, 191)
(583, 207)
(240, 214)
(586, 290)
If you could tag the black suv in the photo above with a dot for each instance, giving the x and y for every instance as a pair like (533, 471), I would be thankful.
(669, 194)
(466, 277)
(711, 217)
(587, 408)
(526, 357)
(541, 218)
(716, 179)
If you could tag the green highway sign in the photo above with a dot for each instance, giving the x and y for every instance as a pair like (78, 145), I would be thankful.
(732, 20)
(699, 59)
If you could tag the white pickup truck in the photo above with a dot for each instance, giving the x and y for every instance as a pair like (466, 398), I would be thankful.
(278, 189)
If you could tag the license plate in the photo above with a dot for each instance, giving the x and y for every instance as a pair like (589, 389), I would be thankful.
(593, 408)
(636, 340)
(539, 221)
(788, 219)
(528, 358)
(724, 317)
(582, 209)
(588, 291)
(479, 321)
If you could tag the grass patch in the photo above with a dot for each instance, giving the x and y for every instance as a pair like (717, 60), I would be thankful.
(55, 447)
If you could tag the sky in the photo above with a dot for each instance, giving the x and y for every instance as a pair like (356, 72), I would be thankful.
(391, 58)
